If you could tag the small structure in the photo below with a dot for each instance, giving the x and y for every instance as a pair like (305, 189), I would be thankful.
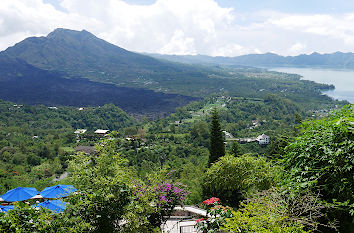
(183, 220)
(228, 136)
(263, 139)
(130, 138)
(177, 123)
(102, 132)
(80, 131)
(246, 140)
(255, 123)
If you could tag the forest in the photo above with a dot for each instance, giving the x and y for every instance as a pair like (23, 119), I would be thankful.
(302, 181)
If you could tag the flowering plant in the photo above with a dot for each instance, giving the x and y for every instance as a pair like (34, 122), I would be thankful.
(213, 200)
(216, 215)
(161, 197)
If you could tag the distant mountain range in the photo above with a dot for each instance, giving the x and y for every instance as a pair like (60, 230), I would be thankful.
(333, 60)
(76, 68)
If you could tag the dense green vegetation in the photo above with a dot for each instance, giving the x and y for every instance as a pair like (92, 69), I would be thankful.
(143, 161)
(311, 186)
(231, 178)
(42, 117)
(129, 170)
(322, 159)
(37, 141)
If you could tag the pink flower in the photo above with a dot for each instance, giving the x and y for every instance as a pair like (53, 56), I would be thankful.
(163, 198)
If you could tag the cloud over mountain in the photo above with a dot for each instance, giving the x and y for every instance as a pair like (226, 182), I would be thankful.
(180, 26)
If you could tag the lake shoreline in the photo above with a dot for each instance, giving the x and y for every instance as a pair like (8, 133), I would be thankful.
(342, 79)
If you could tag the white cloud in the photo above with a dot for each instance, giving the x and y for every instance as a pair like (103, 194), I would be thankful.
(334, 26)
(180, 26)
(168, 26)
(21, 19)
(297, 48)
(228, 50)
(179, 45)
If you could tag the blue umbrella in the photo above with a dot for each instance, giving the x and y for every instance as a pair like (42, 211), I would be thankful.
(54, 205)
(57, 191)
(6, 208)
(19, 194)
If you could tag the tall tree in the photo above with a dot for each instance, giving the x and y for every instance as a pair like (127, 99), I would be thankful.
(217, 146)
(236, 149)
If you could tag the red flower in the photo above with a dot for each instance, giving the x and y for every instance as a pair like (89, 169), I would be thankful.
(199, 220)
(212, 200)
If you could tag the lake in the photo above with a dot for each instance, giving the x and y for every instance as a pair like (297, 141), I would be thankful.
(342, 79)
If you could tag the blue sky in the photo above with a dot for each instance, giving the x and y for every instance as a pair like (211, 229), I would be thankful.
(289, 6)
(292, 6)
(211, 27)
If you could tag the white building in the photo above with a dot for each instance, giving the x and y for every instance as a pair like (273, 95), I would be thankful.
(184, 220)
(102, 132)
(228, 135)
(263, 139)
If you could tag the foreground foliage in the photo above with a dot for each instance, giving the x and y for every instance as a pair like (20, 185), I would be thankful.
(24, 218)
(262, 214)
(322, 160)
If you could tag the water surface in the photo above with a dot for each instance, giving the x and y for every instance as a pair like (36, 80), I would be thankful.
(342, 79)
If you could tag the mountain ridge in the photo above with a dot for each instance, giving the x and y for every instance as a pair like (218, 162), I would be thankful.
(66, 44)
(330, 60)
(82, 60)
(82, 54)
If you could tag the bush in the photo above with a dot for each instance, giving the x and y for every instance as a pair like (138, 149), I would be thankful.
(231, 178)
(322, 160)
(272, 211)
(103, 182)
(24, 218)
(153, 203)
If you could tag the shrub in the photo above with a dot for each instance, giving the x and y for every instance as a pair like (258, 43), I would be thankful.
(153, 203)
(273, 211)
(322, 160)
(24, 218)
(231, 178)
